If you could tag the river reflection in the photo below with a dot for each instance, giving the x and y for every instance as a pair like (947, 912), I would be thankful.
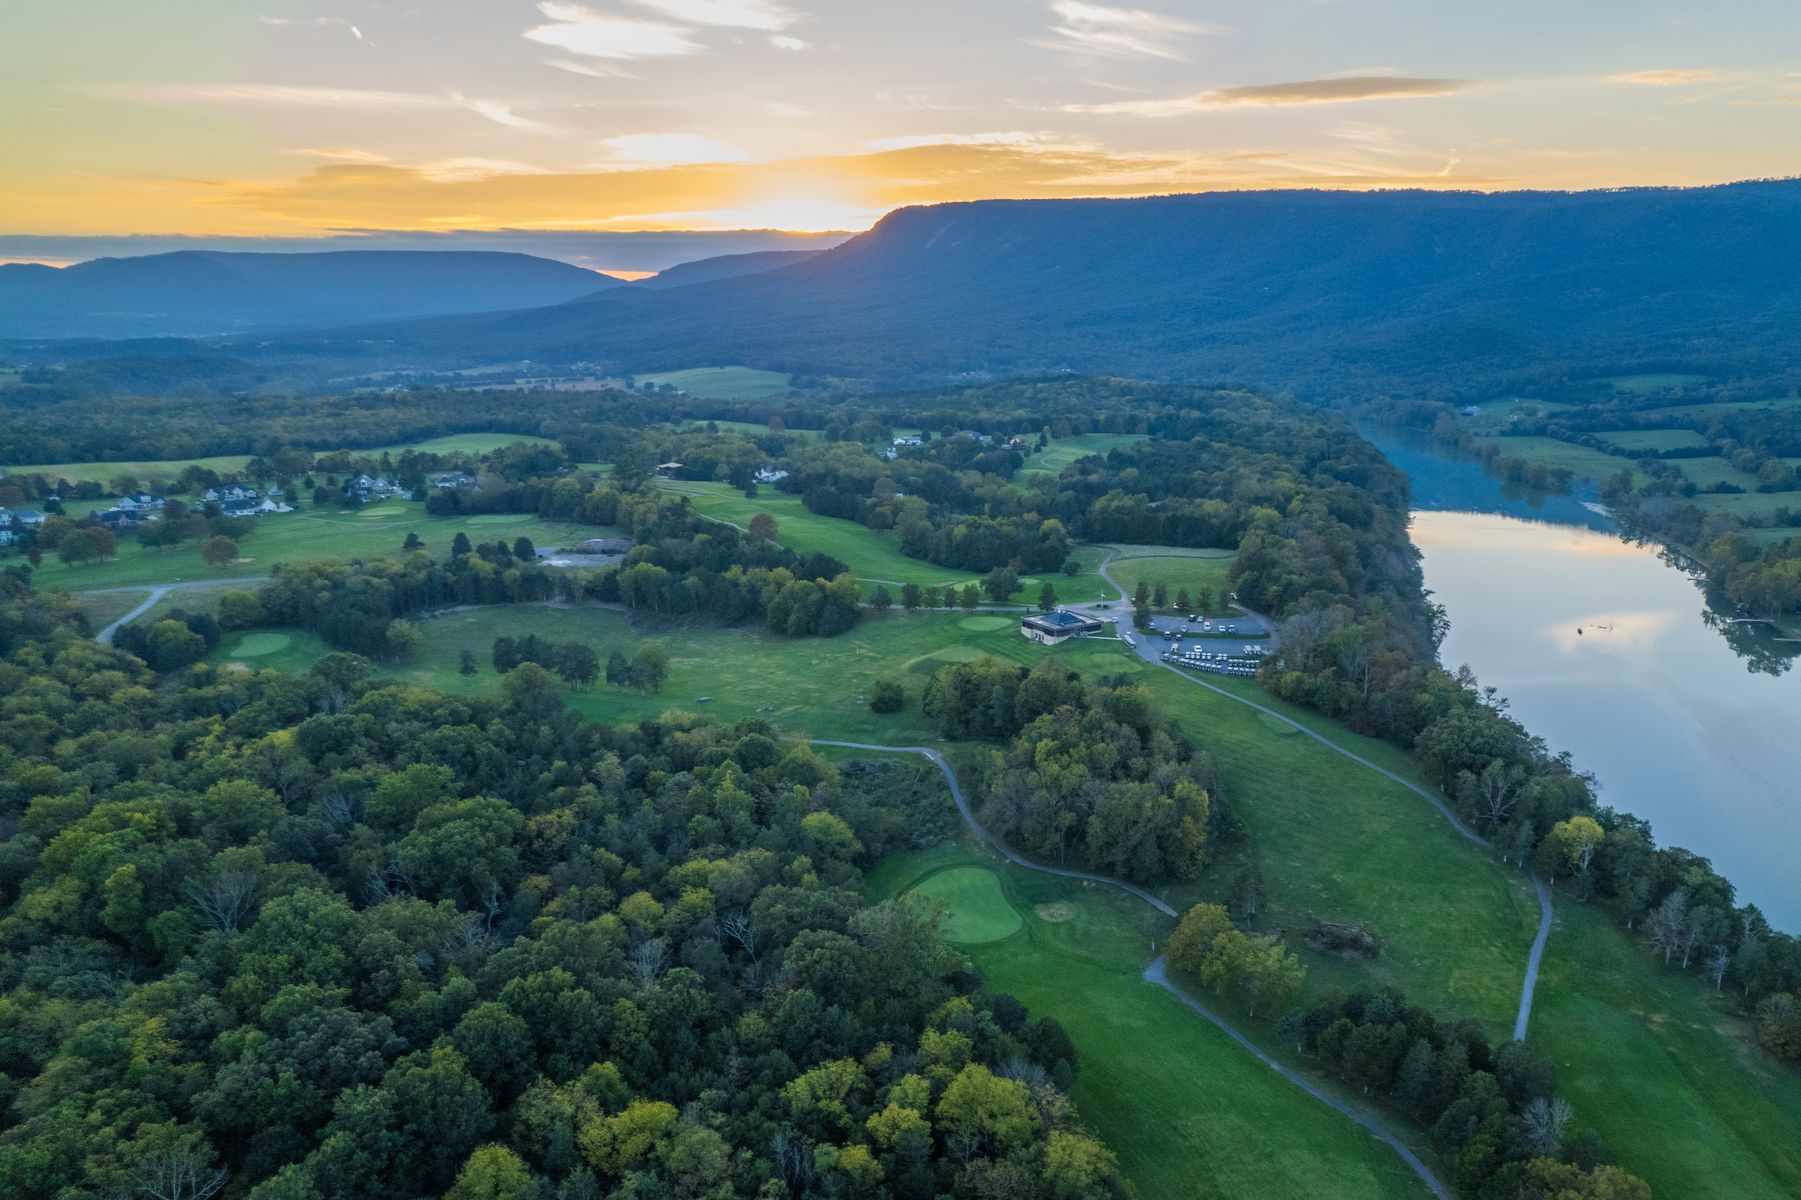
(1605, 650)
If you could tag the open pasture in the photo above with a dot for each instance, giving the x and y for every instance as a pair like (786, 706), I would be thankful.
(720, 383)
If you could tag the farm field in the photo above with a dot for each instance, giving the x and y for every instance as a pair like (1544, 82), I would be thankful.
(720, 383)
(1654, 382)
(1189, 1113)
(1691, 412)
(1708, 472)
(1063, 451)
(104, 473)
(1581, 461)
(308, 535)
(1198, 571)
(1636, 441)
(872, 555)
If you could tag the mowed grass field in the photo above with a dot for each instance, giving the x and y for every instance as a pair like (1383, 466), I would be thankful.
(144, 470)
(975, 909)
(308, 535)
(1189, 1113)
(1063, 451)
(872, 555)
(1196, 570)
(720, 383)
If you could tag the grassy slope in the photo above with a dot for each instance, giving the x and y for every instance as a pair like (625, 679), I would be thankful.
(1196, 571)
(977, 909)
(308, 535)
(721, 383)
(106, 472)
(871, 555)
(1063, 451)
(1189, 1113)
(1656, 440)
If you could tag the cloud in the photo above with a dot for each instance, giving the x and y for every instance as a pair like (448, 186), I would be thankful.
(1273, 95)
(1670, 77)
(809, 193)
(338, 154)
(317, 23)
(297, 96)
(583, 31)
(1011, 138)
(1118, 32)
(671, 149)
(782, 41)
(726, 14)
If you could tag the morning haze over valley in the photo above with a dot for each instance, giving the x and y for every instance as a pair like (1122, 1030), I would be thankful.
(1035, 600)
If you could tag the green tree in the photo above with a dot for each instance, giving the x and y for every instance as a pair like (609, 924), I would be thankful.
(492, 1173)
(887, 696)
(1047, 598)
(881, 600)
(532, 692)
(523, 550)
(219, 552)
(1160, 596)
(988, 1110)
(910, 596)
(413, 542)
(403, 640)
(762, 528)
(1000, 583)
(460, 545)
(466, 664)
(1192, 942)
(971, 597)
(650, 667)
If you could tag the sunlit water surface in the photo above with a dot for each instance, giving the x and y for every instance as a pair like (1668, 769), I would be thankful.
(1605, 650)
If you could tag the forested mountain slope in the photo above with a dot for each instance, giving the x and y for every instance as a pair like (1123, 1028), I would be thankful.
(1323, 292)
(191, 293)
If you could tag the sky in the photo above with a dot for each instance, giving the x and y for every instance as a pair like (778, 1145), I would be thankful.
(257, 118)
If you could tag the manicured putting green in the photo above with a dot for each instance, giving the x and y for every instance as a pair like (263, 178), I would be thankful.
(501, 519)
(984, 624)
(978, 910)
(382, 513)
(256, 645)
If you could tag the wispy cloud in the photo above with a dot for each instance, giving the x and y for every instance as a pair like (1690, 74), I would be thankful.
(727, 14)
(1118, 32)
(1668, 77)
(298, 96)
(583, 31)
(1005, 138)
(318, 23)
(1341, 90)
(671, 149)
(782, 41)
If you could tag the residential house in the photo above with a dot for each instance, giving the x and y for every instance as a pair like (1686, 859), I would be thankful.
(455, 479)
(771, 475)
(667, 470)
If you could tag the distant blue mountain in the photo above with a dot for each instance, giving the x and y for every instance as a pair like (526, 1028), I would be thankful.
(197, 293)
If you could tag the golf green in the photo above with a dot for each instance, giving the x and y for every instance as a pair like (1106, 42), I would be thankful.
(984, 624)
(978, 910)
(256, 645)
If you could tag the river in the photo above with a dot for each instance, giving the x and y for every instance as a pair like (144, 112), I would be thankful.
(1608, 651)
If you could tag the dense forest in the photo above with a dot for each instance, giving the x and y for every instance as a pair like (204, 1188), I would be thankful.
(308, 937)
(1092, 776)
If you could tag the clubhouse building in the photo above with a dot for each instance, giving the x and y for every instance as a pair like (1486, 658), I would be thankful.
(1052, 628)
